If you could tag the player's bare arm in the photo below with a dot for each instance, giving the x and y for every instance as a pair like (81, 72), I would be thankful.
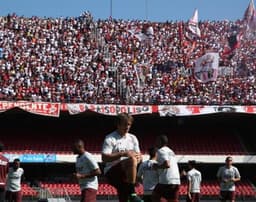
(95, 172)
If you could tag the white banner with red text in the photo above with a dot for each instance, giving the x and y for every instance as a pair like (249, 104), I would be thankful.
(109, 109)
(53, 109)
(40, 108)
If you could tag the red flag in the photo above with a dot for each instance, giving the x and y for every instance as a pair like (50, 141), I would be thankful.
(233, 43)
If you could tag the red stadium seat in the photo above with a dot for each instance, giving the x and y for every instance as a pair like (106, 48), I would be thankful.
(181, 141)
(208, 188)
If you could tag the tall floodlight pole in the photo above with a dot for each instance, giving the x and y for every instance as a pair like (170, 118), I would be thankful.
(146, 9)
(111, 8)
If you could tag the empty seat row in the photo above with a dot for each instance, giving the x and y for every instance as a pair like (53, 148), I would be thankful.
(184, 143)
(207, 189)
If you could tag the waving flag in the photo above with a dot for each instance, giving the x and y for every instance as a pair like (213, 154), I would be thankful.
(252, 22)
(193, 24)
(249, 12)
(138, 34)
(143, 35)
(233, 43)
(250, 16)
(207, 67)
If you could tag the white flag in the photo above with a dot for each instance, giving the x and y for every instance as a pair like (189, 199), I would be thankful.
(250, 20)
(138, 34)
(249, 12)
(193, 24)
(206, 67)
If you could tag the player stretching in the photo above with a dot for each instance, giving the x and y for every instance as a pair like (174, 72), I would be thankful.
(121, 153)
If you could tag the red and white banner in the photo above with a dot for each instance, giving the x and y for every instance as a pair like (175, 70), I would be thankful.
(206, 67)
(40, 108)
(189, 110)
(53, 109)
(109, 109)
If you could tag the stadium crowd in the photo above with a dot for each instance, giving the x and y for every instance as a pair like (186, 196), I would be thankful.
(104, 61)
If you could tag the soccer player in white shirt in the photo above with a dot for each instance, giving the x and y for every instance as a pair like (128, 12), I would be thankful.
(121, 153)
(194, 178)
(168, 171)
(148, 175)
(13, 186)
(87, 170)
(227, 176)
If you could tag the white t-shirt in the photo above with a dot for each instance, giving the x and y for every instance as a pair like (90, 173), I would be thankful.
(168, 175)
(149, 176)
(14, 179)
(225, 173)
(194, 176)
(84, 165)
(117, 143)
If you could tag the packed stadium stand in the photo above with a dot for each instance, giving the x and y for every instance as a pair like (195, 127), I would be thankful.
(80, 59)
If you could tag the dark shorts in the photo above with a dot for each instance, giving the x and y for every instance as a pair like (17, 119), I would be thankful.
(88, 195)
(147, 198)
(167, 191)
(13, 196)
(2, 193)
(116, 175)
(195, 197)
(227, 195)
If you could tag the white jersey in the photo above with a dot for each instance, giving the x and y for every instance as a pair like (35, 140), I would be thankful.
(117, 143)
(149, 176)
(85, 164)
(194, 176)
(14, 179)
(168, 175)
(225, 173)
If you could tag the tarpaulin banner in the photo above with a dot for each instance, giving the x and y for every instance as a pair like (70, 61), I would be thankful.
(40, 108)
(109, 109)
